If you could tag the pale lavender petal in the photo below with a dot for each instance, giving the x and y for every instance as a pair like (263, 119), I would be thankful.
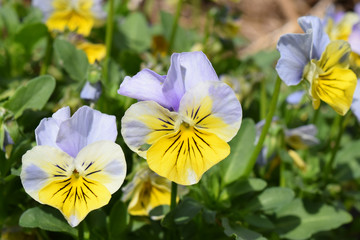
(174, 87)
(85, 127)
(357, 8)
(306, 134)
(46, 7)
(355, 106)
(354, 38)
(97, 10)
(294, 55)
(90, 91)
(47, 131)
(145, 85)
(186, 71)
(313, 25)
(295, 97)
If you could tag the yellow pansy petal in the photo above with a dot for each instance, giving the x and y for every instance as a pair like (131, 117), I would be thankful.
(299, 162)
(214, 108)
(93, 51)
(41, 165)
(336, 55)
(184, 156)
(75, 197)
(65, 15)
(144, 123)
(102, 162)
(336, 88)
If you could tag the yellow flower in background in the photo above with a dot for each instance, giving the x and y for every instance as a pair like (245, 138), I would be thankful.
(75, 15)
(330, 79)
(146, 191)
(93, 51)
(341, 29)
(321, 63)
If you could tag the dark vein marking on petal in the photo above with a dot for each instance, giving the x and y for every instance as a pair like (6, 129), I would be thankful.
(197, 147)
(60, 168)
(89, 165)
(172, 144)
(93, 172)
(59, 175)
(202, 139)
(197, 111)
(84, 195)
(68, 193)
(89, 189)
(61, 189)
(203, 118)
(166, 121)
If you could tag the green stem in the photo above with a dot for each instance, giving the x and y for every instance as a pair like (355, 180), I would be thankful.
(174, 26)
(263, 99)
(108, 39)
(265, 129)
(173, 196)
(48, 55)
(81, 231)
(315, 116)
(342, 122)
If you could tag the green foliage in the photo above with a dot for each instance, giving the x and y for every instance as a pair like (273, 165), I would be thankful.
(242, 144)
(34, 95)
(39, 218)
(73, 60)
(282, 197)
(302, 218)
(136, 32)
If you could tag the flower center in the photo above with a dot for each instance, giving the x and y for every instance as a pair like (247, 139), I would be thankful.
(76, 174)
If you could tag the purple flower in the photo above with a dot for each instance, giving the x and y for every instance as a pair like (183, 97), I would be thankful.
(71, 134)
(297, 50)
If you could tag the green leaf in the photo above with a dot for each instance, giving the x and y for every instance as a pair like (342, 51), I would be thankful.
(186, 211)
(242, 146)
(73, 60)
(242, 187)
(239, 232)
(159, 211)
(96, 222)
(30, 34)
(37, 217)
(34, 95)
(348, 162)
(260, 221)
(300, 219)
(136, 32)
(184, 39)
(118, 220)
(10, 18)
(270, 199)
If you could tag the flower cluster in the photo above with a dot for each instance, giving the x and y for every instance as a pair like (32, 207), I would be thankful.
(321, 63)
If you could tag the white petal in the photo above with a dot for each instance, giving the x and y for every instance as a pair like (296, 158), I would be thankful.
(144, 123)
(213, 107)
(41, 165)
(104, 162)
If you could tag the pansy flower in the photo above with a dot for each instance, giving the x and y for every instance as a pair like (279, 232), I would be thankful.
(323, 64)
(76, 165)
(146, 191)
(184, 119)
(75, 15)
